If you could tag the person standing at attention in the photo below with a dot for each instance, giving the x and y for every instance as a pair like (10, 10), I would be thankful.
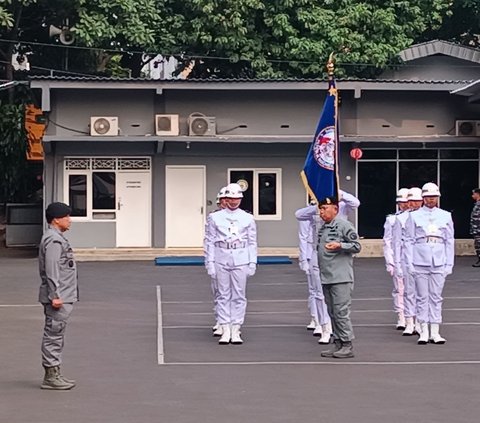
(58, 292)
(388, 253)
(337, 243)
(475, 224)
(231, 257)
(430, 252)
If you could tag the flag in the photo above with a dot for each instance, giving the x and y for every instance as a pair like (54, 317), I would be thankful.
(319, 173)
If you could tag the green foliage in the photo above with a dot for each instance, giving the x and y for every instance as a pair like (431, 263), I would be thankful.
(13, 163)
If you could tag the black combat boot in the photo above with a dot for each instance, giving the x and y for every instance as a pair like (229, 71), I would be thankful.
(337, 345)
(345, 352)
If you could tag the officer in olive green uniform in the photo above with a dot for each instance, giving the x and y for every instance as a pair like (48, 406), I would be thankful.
(58, 292)
(337, 242)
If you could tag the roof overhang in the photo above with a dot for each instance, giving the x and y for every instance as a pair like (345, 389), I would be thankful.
(357, 86)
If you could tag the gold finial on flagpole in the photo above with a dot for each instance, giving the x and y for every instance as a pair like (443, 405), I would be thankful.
(331, 66)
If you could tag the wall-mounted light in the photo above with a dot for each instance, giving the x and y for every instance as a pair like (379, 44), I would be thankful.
(188, 145)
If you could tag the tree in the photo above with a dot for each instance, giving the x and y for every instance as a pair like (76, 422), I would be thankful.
(293, 38)
(462, 25)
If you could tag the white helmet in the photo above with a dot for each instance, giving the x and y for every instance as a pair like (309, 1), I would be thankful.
(233, 191)
(430, 190)
(415, 194)
(402, 195)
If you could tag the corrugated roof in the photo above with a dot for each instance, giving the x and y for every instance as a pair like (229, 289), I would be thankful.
(235, 80)
(446, 48)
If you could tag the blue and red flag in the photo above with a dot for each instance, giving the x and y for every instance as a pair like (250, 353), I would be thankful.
(319, 174)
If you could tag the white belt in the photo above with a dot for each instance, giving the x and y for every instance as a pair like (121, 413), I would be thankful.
(231, 245)
(431, 240)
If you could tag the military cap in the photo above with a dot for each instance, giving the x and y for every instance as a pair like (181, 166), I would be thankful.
(57, 210)
(328, 201)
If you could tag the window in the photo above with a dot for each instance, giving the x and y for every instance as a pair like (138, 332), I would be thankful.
(91, 187)
(262, 195)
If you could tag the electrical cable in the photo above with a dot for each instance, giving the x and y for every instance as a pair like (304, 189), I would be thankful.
(200, 57)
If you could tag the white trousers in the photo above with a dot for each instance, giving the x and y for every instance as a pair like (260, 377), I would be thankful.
(232, 298)
(429, 288)
(316, 299)
(214, 286)
(398, 292)
(409, 294)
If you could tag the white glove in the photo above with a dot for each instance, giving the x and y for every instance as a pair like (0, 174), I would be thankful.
(211, 269)
(390, 269)
(304, 266)
(252, 267)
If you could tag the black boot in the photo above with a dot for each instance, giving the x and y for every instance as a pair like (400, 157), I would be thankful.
(337, 344)
(477, 264)
(345, 352)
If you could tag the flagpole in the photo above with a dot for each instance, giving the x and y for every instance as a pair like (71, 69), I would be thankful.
(331, 77)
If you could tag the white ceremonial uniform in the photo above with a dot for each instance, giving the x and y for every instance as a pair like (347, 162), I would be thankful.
(308, 224)
(214, 284)
(429, 247)
(400, 265)
(389, 245)
(232, 249)
(346, 204)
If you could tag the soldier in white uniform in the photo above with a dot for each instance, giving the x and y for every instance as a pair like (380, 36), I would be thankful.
(388, 245)
(346, 203)
(221, 204)
(429, 242)
(231, 257)
(415, 201)
(308, 260)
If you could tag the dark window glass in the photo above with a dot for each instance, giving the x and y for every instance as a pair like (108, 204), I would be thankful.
(457, 179)
(267, 193)
(103, 190)
(379, 154)
(415, 174)
(376, 191)
(418, 154)
(459, 154)
(77, 194)
(243, 176)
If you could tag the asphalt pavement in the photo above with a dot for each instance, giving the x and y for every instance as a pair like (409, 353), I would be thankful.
(140, 346)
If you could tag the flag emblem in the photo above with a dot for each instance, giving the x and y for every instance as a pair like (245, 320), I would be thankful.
(324, 148)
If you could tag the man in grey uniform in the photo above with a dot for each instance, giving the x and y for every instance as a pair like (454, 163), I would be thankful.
(337, 242)
(58, 292)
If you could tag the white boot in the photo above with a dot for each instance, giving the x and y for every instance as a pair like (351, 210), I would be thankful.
(401, 324)
(218, 331)
(423, 334)
(435, 337)
(318, 330)
(214, 328)
(326, 334)
(418, 328)
(236, 340)
(226, 335)
(409, 327)
(312, 325)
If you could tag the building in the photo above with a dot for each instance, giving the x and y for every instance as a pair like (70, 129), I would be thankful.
(141, 161)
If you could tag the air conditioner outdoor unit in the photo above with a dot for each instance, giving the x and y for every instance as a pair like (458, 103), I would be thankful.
(103, 126)
(200, 125)
(467, 128)
(166, 125)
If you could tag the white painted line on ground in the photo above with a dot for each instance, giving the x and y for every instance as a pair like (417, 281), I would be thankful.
(256, 313)
(325, 363)
(364, 325)
(160, 352)
(19, 305)
(304, 300)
